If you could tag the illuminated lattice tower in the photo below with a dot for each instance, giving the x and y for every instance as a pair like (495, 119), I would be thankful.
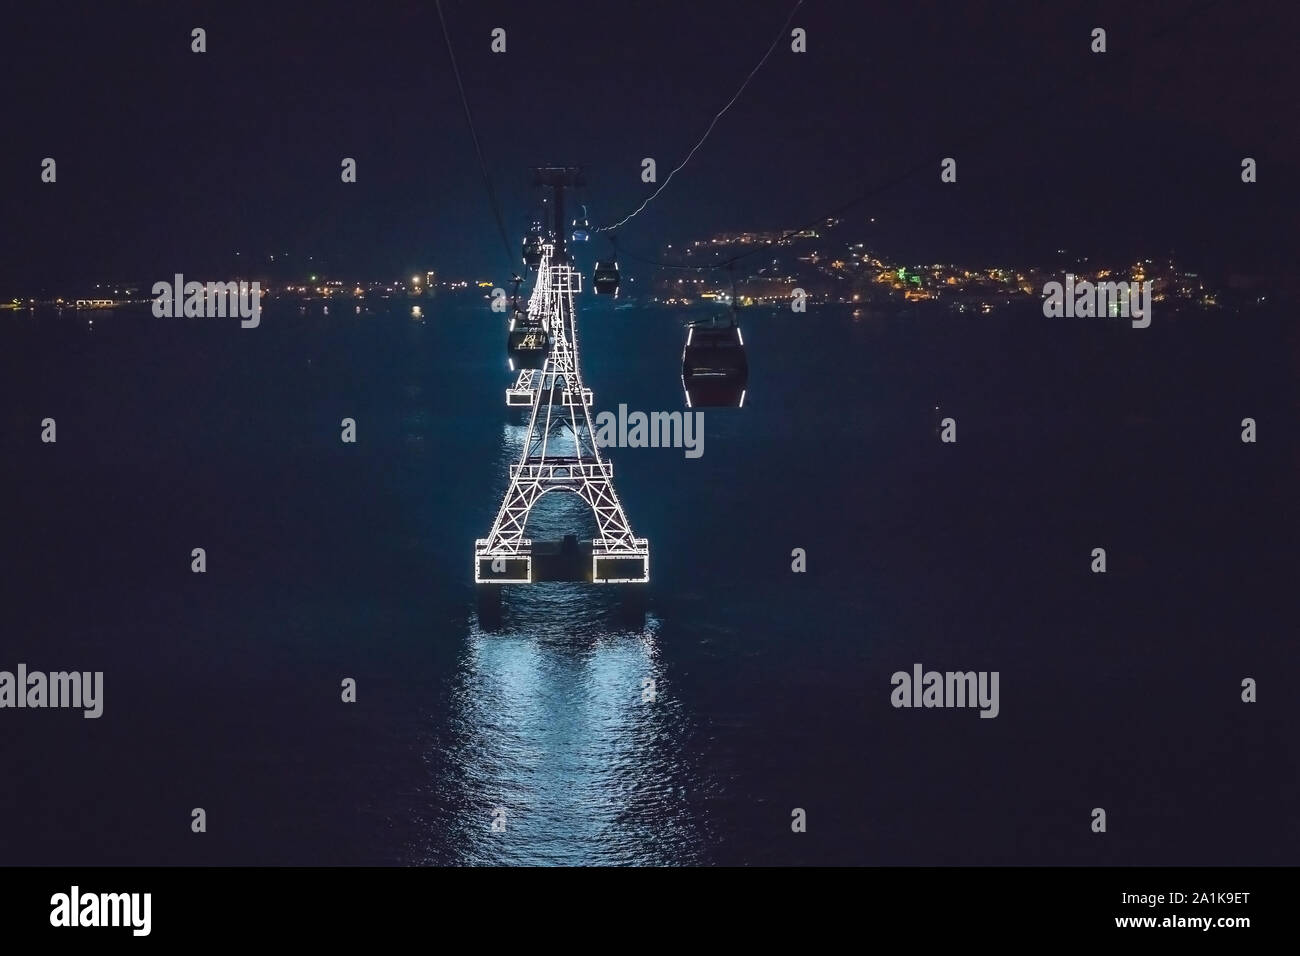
(559, 450)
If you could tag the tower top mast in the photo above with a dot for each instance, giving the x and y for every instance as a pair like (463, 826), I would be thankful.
(558, 178)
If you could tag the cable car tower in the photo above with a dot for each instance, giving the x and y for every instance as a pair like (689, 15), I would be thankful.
(559, 451)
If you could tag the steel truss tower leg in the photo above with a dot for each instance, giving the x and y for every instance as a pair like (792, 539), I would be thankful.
(559, 454)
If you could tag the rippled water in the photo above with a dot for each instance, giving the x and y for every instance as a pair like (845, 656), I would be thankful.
(549, 725)
(556, 722)
(771, 688)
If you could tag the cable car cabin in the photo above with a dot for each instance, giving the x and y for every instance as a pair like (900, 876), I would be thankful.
(527, 343)
(532, 251)
(581, 228)
(715, 371)
(605, 278)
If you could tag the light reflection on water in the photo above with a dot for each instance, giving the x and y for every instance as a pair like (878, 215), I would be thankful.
(549, 723)
(546, 719)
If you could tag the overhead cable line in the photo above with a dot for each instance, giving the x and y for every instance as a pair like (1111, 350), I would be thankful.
(972, 136)
(717, 116)
(478, 149)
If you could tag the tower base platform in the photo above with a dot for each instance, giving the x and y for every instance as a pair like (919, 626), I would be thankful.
(565, 560)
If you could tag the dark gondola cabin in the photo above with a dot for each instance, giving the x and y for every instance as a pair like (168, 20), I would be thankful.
(581, 228)
(532, 251)
(715, 370)
(527, 343)
(605, 278)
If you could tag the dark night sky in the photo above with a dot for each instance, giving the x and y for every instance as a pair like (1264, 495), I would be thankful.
(170, 161)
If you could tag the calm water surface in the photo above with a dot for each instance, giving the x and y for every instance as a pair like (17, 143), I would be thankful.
(328, 561)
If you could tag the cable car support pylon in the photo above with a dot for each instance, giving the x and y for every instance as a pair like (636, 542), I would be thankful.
(559, 450)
